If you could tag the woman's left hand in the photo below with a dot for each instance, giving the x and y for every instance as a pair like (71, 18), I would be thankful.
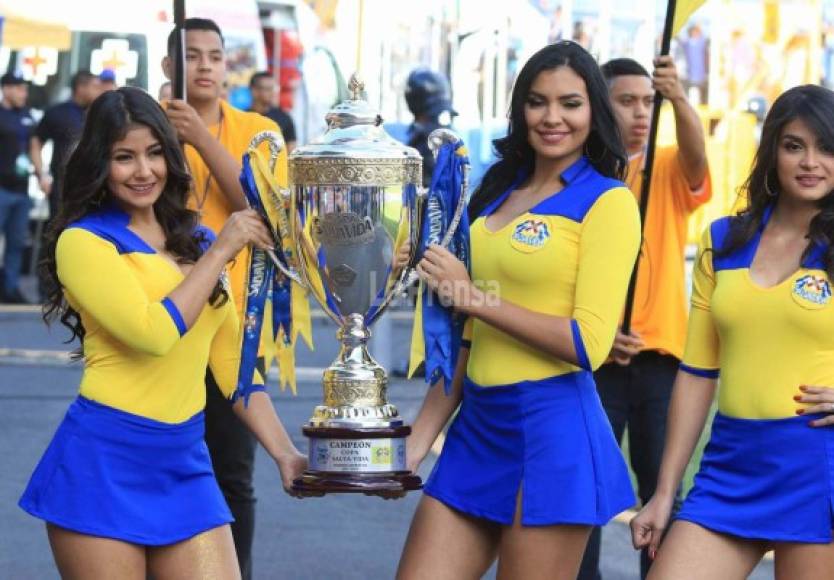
(820, 400)
(447, 277)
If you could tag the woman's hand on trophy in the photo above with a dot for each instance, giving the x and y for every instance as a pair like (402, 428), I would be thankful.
(447, 277)
(292, 466)
(242, 228)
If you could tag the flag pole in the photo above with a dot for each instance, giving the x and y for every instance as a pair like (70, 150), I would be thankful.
(179, 50)
(645, 185)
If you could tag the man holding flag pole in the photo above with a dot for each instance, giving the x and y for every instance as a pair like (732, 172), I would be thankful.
(635, 384)
(215, 137)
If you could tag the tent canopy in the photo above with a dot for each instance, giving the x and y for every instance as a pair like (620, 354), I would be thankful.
(18, 32)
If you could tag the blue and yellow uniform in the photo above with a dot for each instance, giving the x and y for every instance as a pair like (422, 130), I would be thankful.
(129, 461)
(766, 473)
(530, 422)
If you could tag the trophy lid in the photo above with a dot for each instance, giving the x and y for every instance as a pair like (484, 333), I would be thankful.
(355, 149)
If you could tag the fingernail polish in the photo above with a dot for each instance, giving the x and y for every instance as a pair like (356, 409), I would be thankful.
(800, 411)
(797, 397)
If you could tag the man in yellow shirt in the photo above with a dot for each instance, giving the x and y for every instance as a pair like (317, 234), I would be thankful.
(215, 137)
(635, 385)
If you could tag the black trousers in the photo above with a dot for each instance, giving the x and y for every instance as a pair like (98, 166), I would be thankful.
(232, 449)
(635, 396)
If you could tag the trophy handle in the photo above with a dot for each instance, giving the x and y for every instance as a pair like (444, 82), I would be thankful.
(278, 198)
(275, 142)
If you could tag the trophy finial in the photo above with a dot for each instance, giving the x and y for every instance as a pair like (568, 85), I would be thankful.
(356, 86)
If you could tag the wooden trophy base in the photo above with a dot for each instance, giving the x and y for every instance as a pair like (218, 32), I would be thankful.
(314, 484)
(329, 476)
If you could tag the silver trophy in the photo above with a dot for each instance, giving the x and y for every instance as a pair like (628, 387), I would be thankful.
(351, 226)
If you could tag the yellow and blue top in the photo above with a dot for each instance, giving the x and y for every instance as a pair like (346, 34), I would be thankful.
(571, 255)
(139, 356)
(764, 342)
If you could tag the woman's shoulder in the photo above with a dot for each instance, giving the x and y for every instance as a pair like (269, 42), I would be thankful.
(586, 188)
(107, 225)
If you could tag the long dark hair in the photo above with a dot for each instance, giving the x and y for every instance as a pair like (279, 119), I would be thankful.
(604, 147)
(109, 119)
(813, 105)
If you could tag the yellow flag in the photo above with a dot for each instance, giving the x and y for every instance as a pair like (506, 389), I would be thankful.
(683, 10)
(418, 345)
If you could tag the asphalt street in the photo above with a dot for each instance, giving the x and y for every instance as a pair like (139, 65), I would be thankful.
(336, 537)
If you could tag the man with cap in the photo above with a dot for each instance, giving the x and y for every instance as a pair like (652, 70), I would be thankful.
(429, 99)
(16, 126)
(107, 80)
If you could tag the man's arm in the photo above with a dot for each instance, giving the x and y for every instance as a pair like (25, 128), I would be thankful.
(44, 179)
(223, 167)
(689, 131)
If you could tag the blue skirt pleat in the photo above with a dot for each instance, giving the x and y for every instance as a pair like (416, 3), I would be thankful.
(549, 439)
(765, 479)
(113, 474)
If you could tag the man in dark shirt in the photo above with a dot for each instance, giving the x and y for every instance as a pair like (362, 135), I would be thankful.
(62, 125)
(262, 86)
(428, 97)
(16, 125)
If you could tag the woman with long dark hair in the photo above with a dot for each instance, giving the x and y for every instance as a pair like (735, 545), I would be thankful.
(530, 464)
(762, 317)
(126, 486)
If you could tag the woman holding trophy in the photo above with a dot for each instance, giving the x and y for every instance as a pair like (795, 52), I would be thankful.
(126, 486)
(530, 463)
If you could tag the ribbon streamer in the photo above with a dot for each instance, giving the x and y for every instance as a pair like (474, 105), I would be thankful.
(442, 328)
(268, 288)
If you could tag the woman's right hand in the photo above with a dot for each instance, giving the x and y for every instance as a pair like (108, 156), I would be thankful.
(649, 525)
(291, 465)
(242, 228)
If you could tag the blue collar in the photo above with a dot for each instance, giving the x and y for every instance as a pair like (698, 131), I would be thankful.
(575, 170)
(568, 176)
(815, 258)
(110, 223)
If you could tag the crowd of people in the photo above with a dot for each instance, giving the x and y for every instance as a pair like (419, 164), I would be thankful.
(150, 472)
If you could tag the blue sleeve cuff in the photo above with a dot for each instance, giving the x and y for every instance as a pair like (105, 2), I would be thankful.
(579, 346)
(174, 312)
(705, 373)
(245, 393)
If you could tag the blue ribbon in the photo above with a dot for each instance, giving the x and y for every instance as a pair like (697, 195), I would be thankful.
(264, 282)
(442, 327)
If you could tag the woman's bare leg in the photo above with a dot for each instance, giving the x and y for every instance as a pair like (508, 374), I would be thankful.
(82, 557)
(692, 552)
(210, 554)
(444, 544)
(546, 552)
(804, 561)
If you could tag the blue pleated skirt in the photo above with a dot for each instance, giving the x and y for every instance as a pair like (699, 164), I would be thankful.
(117, 475)
(549, 439)
(766, 479)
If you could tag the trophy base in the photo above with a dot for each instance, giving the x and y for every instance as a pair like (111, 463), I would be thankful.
(369, 460)
(313, 484)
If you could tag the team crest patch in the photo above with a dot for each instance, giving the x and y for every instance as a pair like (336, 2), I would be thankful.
(812, 291)
(531, 235)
